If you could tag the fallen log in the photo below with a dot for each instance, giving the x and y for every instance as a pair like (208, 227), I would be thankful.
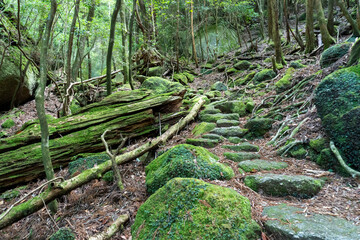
(130, 113)
(112, 229)
(37, 203)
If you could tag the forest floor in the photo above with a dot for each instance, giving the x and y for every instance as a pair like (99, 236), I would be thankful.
(91, 208)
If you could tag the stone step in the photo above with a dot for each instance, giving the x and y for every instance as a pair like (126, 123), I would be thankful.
(241, 156)
(290, 223)
(236, 140)
(229, 131)
(260, 165)
(244, 147)
(217, 116)
(227, 123)
(213, 137)
(203, 142)
(280, 185)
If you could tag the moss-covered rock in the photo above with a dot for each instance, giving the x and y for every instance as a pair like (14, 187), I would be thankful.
(9, 123)
(285, 82)
(235, 106)
(284, 185)
(81, 164)
(231, 71)
(259, 126)
(63, 234)
(188, 208)
(260, 165)
(235, 140)
(246, 79)
(181, 78)
(287, 222)
(190, 76)
(263, 75)
(242, 65)
(218, 116)
(213, 136)
(108, 177)
(10, 194)
(337, 100)
(318, 144)
(160, 85)
(203, 142)
(241, 156)
(202, 128)
(246, 147)
(230, 131)
(207, 66)
(185, 161)
(334, 53)
(213, 94)
(227, 123)
(328, 161)
(250, 105)
(221, 67)
(299, 153)
(219, 86)
(297, 64)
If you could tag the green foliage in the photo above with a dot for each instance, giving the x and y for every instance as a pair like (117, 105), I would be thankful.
(63, 234)
(185, 161)
(187, 208)
(82, 164)
(9, 123)
(108, 177)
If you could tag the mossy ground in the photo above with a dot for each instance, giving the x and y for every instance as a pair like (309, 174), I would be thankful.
(188, 208)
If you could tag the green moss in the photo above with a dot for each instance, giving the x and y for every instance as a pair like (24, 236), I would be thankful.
(108, 177)
(181, 78)
(263, 75)
(218, 116)
(242, 65)
(207, 66)
(334, 53)
(250, 105)
(231, 71)
(299, 153)
(82, 164)
(185, 161)
(10, 194)
(160, 85)
(219, 86)
(241, 156)
(63, 234)
(189, 76)
(328, 161)
(259, 126)
(236, 140)
(202, 142)
(9, 123)
(202, 128)
(246, 147)
(193, 209)
(285, 82)
(318, 144)
(155, 71)
(221, 67)
(246, 79)
(260, 165)
(297, 64)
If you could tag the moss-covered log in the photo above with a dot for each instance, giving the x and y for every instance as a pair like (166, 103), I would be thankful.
(36, 203)
(126, 113)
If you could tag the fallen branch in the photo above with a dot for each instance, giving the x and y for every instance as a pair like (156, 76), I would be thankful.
(110, 231)
(352, 172)
(36, 203)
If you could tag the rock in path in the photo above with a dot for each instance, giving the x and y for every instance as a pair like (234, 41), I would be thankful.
(241, 156)
(260, 165)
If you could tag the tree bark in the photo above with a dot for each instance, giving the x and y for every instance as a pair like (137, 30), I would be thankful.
(124, 33)
(131, 43)
(111, 45)
(309, 32)
(192, 33)
(275, 33)
(325, 35)
(348, 17)
(40, 101)
(36, 203)
(330, 19)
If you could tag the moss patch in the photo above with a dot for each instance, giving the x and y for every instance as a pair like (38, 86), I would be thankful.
(193, 209)
(334, 53)
(202, 128)
(82, 164)
(264, 75)
(185, 161)
(9, 123)
(285, 82)
(160, 85)
(63, 234)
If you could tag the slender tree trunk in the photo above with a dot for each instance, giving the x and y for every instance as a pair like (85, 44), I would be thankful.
(177, 36)
(275, 33)
(111, 45)
(260, 4)
(124, 33)
(131, 43)
(325, 35)
(270, 20)
(309, 32)
(192, 33)
(67, 102)
(286, 17)
(238, 33)
(330, 19)
(348, 17)
(40, 101)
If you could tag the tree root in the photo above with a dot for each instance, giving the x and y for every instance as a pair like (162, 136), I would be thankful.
(352, 172)
(110, 231)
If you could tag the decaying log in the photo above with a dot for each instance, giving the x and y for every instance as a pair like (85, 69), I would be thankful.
(128, 113)
(37, 203)
(110, 231)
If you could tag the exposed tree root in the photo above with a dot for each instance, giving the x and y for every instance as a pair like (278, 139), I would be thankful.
(37, 203)
(110, 231)
(352, 172)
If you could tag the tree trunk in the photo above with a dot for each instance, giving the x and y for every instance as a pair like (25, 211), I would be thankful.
(275, 33)
(131, 44)
(325, 35)
(270, 20)
(67, 98)
(330, 19)
(111, 45)
(260, 4)
(348, 17)
(192, 33)
(40, 101)
(287, 25)
(177, 36)
(130, 113)
(36, 203)
(124, 33)
(309, 32)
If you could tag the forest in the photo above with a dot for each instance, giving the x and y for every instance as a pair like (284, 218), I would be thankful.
(170, 119)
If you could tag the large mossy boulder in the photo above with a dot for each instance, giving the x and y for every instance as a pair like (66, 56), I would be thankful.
(287, 222)
(285, 82)
(338, 104)
(160, 85)
(263, 75)
(334, 53)
(259, 126)
(181, 78)
(187, 208)
(185, 160)
(155, 71)
(242, 65)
